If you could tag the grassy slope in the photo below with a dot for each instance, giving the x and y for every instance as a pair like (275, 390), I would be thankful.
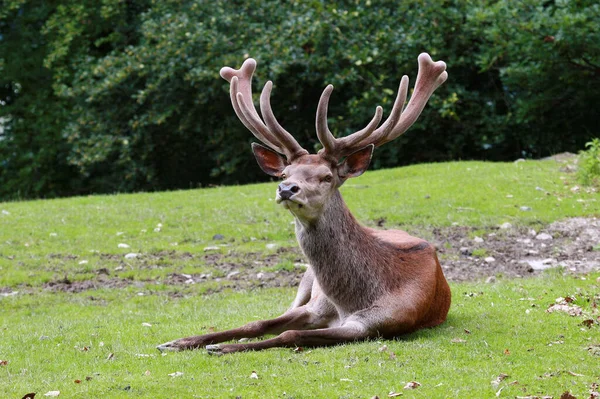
(469, 193)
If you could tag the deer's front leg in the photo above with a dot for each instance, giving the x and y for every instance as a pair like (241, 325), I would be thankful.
(296, 318)
(350, 331)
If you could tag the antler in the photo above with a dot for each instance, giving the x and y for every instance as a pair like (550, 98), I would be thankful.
(430, 76)
(271, 133)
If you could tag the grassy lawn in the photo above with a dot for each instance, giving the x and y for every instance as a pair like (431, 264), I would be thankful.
(100, 342)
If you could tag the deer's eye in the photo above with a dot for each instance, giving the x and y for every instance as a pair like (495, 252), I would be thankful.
(283, 176)
(327, 179)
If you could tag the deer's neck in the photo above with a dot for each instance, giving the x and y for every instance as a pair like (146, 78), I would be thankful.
(343, 255)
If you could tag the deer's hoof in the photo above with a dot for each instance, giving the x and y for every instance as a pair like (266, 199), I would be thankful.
(214, 350)
(171, 346)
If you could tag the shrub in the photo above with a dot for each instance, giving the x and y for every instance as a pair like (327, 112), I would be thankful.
(589, 164)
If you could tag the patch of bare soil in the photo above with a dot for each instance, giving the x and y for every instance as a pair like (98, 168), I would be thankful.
(518, 252)
(465, 253)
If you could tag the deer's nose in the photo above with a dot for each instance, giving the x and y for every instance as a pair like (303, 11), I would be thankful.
(287, 190)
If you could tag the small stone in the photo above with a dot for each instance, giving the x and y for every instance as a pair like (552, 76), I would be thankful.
(505, 225)
(478, 240)
(206, 249)
(490, 259)
(260, 276)
(525, 208)
(465, 251)
(543, 237)
(491, 280)
(122, 245)
(218, 237)
(131, 255)
(271, 246)
(233, 273)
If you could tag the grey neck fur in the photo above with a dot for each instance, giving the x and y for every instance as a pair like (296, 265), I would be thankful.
(343, 255)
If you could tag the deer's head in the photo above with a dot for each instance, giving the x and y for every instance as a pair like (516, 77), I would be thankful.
(309, 180)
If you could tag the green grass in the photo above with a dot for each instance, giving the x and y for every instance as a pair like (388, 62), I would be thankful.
(44, 335)
(418, 197)
(493, 329)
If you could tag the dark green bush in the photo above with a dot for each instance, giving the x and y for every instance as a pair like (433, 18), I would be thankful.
(122, 96)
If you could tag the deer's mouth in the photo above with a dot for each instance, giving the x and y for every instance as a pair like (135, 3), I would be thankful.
(288, 203)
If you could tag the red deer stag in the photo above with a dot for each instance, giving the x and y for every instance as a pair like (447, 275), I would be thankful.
(361, 282)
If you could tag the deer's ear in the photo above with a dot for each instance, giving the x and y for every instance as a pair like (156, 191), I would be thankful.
(269, 161)
(356, 163)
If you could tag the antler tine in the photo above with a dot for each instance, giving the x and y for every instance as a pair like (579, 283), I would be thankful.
(285, 138)
(323, 133)
(430, 76)
(337, 148)
(241, 99)
(394, 117)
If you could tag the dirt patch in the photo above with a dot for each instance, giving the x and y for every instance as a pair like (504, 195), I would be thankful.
(66, 285)
(466, 254)
(471, 254)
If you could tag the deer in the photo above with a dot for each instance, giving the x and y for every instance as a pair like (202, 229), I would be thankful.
(361, 283)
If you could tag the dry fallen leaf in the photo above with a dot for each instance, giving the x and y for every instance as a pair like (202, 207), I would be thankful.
(147, 372)
(393, 394)
(571, 310)
(499, 379)
(77, 381)
(412, 385)
(588, 323)
(110, 356)
(506, 352)
(567, 395)
(383, 348)
(458, 341)
(575, 374)
(176, 374)
(3, 362)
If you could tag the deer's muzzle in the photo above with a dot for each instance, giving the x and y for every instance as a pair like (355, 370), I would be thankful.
(287, 190)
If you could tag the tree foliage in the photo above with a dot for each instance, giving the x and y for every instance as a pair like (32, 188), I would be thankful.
(105, 96)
